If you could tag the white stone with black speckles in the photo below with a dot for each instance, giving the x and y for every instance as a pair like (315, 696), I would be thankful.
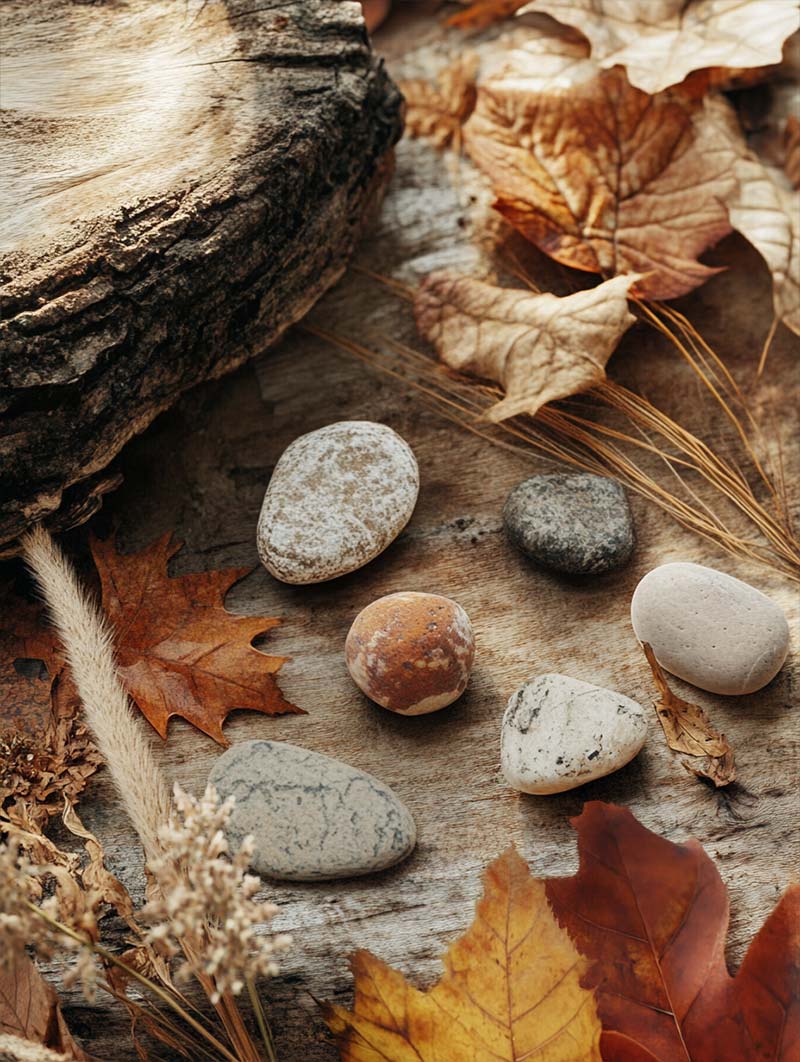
(709, 628)
(313, 818)
(337, 498)
(559, 733)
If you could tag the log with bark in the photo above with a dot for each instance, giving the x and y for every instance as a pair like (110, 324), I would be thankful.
(184, 178)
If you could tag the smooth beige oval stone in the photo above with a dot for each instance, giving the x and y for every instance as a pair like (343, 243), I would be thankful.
(710, 629)
(337, 498)
(411, 652)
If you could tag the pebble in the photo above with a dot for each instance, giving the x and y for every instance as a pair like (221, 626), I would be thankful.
(411, 653)
(337, 498)
(574, 524)
(313, 818)
(559, 733)
(710, 629)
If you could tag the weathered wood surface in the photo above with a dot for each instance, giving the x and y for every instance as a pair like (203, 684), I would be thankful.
(182, 180)
(203, 468)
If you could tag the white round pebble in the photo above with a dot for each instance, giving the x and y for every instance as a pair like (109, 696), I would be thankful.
(337, 498)
(312, 818)
(559, 733)
(710, 629)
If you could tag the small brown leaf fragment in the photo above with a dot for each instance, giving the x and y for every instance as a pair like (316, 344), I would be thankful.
(791, 140)
(29, 1008)
(179, 651)
(660, 42)
(688, 729)
(539, 348)
(598, 174)
(437, 110)
(511, 990)
(483, 13)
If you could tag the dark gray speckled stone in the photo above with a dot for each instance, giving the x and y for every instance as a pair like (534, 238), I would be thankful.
(575, 524)
(313, 818)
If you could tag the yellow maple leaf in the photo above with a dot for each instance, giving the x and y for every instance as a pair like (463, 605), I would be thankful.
(511, 990)
(660, 42)
(539, 348)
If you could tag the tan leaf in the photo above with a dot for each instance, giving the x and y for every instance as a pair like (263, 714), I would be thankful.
(688, 729)
(599, 175)
(95, 876)
(791, 138)
(539, 348)
(437, 110)
(511, 990)
(29, 1008)
(660, 42)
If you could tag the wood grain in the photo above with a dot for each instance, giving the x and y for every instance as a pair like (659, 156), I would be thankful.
(202, 469)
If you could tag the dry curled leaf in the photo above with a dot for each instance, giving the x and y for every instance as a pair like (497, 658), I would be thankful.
(688, 729)
(660, 42)
(179, 651)
(539, 348)
(600, 175)
(30, 1010)
(511, 990)
(46, 751)
(653, 917)
(436, 110)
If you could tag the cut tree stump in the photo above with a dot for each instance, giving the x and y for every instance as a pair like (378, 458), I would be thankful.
(184, 178)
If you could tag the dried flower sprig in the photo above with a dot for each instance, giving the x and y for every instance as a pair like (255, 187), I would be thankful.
(206, 899)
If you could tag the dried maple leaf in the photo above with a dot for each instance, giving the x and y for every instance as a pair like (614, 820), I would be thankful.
(511, 990)
(688, 729)
(660, 42)
(483, 13)
(538, 347)
(653, 916)
(599, 175)
(179, 651)
(29, 1009)
(437, 110)
(47, 751)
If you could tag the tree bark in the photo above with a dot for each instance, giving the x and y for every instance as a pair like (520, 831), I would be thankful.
(187, 177)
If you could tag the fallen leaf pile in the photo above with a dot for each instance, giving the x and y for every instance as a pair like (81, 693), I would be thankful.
(46, 752)
(688, 729)
(179, 651)
(537, 347)
(651, 916)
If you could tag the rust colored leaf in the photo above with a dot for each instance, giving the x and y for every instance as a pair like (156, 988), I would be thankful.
(436, 110)
(375, 11)
(511, 990)
(653, 916)
(600, 175)
(688, 729)
(483, 13)
(539, 348)
(179, 651)
(660, 42)
(46, 752)
(29, 1008)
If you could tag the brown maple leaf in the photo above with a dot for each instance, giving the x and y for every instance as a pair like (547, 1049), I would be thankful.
(511, 990)
(30, 1010)
(539, 348)
(482, 13)
(46, 750)
(688, 729)
(660, 42)
(600, 175)
(436, 110)
(179, 651)
(653, 917)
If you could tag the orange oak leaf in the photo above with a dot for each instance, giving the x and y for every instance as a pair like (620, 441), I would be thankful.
(179, 651)
(600, 175)
(437, 110)
(511, 990)
(653, 917)
(660, 42)
(30, 1010)
(538, 347)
